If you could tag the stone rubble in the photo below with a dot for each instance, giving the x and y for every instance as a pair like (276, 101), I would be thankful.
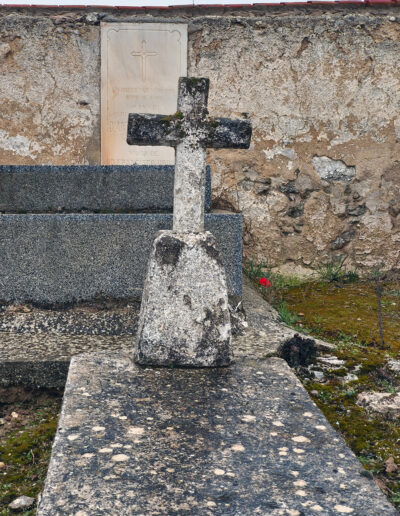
(381, 402)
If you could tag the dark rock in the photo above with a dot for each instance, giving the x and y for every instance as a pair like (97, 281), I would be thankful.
(356, 211)
(298, 351)
(289, 188)
(262, 186)
(342, 240)
(295, 211)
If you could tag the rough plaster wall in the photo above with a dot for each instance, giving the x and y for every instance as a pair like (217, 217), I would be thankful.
(323, 92)
(49, 89)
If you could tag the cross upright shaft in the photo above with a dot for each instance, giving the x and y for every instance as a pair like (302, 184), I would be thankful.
(191, 131)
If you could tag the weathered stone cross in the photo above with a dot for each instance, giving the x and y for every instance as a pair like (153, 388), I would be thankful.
(190, 130)
(184, 316)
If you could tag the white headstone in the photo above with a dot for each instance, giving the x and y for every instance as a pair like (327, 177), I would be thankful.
(140, 67)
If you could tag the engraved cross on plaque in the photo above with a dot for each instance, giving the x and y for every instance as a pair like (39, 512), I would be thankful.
(191, 131)
(143, 55)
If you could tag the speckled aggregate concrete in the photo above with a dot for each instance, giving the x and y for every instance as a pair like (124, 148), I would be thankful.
(241, 440)
(112, 188)
(58, 258)
(114, 319)
(36, 345)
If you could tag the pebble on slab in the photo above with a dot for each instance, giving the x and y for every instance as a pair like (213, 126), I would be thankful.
(300, 439)
(219, 472)
(136, 430)
(248, 418)
(21, 503)
(238, 447)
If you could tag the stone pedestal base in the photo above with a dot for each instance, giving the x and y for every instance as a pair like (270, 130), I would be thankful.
(184, 317)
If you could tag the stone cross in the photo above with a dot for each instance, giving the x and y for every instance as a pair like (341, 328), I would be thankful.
(184, 316)
(191, 131)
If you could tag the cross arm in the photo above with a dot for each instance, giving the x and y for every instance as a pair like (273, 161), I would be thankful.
(154, 129)
(225, 133)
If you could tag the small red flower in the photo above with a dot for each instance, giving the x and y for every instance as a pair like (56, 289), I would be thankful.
(264, 282)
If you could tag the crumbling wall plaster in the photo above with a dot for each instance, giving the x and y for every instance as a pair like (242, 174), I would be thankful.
(323, 91)
(49, 89)
(321, 86)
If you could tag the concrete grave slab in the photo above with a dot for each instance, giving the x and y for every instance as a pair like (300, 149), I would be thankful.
(36, 345)
(63, 258)
(41, 189)
(242, 440)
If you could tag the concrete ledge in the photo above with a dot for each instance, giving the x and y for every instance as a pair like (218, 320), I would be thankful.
(41, 189)
(266, 333)
(110, 318)
(42, 360)
(242, 440)
(64, 258)
(33, 343)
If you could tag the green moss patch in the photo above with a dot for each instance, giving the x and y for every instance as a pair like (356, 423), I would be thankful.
(346, 314)
(335, 311)
(29, 424)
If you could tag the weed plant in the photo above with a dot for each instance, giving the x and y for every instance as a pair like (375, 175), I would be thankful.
(335, 272)
(287, 316)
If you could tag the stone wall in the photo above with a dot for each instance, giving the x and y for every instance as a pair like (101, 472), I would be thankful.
(321, 85)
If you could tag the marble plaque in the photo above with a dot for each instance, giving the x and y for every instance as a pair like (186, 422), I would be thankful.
(140, 67)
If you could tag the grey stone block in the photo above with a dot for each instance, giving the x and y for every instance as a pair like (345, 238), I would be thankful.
(242, 440)
(41, 189)
(63, 258)
(186, 274)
